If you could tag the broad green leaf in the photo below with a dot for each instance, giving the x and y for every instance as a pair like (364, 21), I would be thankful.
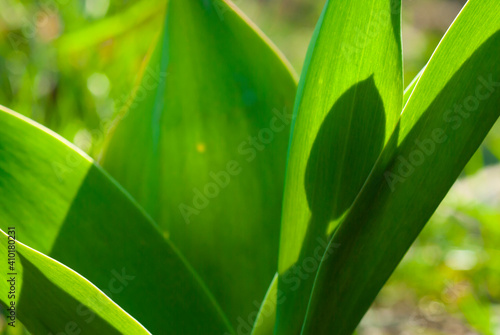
(264, 324)
(66, 207)
(452, 108)
(51, 298)
(349, 99)
(203, 147)
(477, 160)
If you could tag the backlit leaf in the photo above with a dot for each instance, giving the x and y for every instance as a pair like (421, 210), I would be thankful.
(349, 99)
(203, 147)
(51, 298)
(65, 206)
(452, 108)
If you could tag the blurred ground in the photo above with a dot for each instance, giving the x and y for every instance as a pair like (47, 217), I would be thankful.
(71, 65)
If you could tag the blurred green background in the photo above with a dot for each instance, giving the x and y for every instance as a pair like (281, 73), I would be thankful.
(71, 66)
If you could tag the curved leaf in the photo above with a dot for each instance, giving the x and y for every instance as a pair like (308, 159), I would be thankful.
(65, 206)
(264, 323)
(203, 147)
(349, 99)
(50, 297)
(452, 108)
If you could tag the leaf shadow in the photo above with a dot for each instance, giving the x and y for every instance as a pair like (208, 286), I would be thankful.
(358, 275)
(346, 147)
(352, 134)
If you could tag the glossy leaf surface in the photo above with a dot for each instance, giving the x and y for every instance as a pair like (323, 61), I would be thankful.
(452, 108)
(203, 146)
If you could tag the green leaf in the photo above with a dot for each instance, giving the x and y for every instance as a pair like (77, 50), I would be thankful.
(349, 99)
(266, 318)
(264, 323)
(409, 90)
(476, 163)
(203, 148)
(66, 207)
(49, 297)
(452, 108)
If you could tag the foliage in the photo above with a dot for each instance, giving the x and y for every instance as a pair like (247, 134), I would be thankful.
(179, 230)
